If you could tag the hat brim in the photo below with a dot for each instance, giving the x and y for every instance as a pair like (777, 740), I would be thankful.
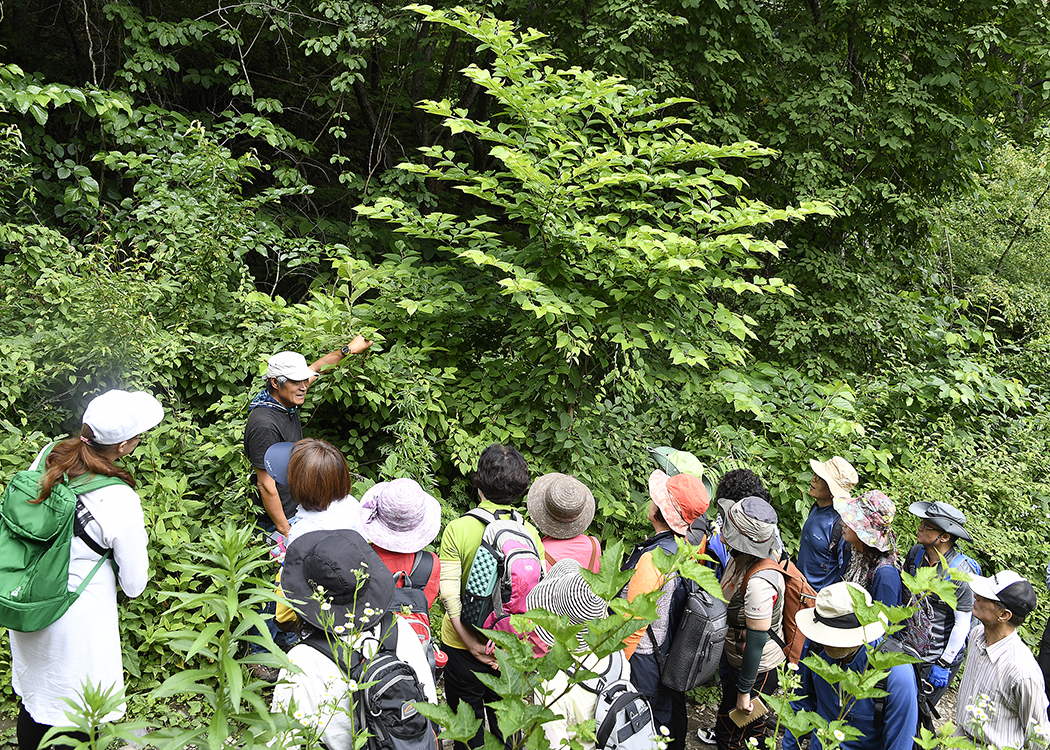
(409, 541)
(299, 589)
(276, 461)
(548, 525)
(921, 509)
(819, 469)
(662, 497)
(982, 587)
(148, 409)
(826, 635)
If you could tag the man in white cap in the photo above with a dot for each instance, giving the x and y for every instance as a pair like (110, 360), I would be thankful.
(273, 417)
(822, 552)
(836, 636)
(1002, 701)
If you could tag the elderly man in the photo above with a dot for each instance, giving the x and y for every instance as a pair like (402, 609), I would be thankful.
(1002, 702)
(836, 636)
(273, 417)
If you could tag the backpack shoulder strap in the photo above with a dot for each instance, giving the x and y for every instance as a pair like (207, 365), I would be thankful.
(388, 633)
(911, 562)
(81, 533)
(548, 559)
(595, 552)
(836, 535)
(623, 700)
(86, 483)
(483, 515)
(767, 563)
(422, 568)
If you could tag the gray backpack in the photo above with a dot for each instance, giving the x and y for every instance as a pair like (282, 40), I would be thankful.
(623, 718)
(696, 647)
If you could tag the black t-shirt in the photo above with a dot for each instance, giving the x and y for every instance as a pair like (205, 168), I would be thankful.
(265, 427)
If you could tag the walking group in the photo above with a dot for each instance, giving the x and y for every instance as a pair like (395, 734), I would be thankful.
(359, 584)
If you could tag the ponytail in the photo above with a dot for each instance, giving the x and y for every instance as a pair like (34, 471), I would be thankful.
(78, 456)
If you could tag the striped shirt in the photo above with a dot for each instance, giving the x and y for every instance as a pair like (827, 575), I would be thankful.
(1016, 703)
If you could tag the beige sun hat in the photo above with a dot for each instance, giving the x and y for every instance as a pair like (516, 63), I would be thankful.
(834, 623)
(838, 473)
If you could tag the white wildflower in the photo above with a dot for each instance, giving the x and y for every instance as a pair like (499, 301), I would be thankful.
(339, 628)
(840, 735)
(664, 731)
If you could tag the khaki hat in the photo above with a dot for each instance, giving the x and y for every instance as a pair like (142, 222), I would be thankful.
(838, 473)
(833, 622)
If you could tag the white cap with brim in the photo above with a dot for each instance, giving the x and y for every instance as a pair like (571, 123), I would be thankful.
(291, 365)
(1007, 587)
(834, 623)
(116, 416)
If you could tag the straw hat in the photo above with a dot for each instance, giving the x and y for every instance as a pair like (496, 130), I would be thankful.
(561, 506)
(564, 592)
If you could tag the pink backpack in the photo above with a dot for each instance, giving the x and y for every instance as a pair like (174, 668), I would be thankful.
(505, 569)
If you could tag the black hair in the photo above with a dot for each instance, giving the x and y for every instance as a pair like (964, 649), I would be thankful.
(737, 484)
(502, 474)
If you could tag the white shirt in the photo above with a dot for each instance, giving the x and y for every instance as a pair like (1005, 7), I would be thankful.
(341, 514)
(84, 644)
(1007, 673)
(322, 695)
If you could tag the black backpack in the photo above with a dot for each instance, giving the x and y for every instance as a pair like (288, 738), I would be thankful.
(697, 643)
(385, 709)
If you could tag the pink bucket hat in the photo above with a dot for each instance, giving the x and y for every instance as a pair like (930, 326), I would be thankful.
(400, 516)
(681, 498)
(870, 516)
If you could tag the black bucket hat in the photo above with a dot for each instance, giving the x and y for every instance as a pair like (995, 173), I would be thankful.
(354, 582)
(945, 517)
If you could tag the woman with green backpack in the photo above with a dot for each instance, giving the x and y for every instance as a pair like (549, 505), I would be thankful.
(83, 644)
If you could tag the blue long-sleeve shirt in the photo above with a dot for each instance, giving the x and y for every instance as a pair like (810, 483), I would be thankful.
(900, 714)
(887, 586)
(822, 562)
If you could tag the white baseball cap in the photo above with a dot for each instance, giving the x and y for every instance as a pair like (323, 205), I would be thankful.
(291, 365)
(116, 416)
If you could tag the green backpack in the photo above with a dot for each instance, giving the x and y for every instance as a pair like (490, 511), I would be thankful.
(34, 547)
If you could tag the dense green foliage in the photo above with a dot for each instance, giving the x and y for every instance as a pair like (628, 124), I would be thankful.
(783, 232)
